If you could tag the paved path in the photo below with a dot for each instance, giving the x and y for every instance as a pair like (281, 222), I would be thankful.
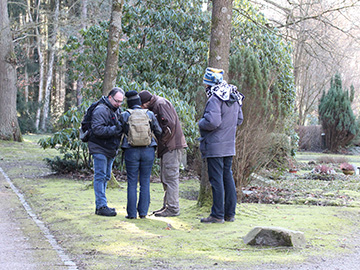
(25, 242)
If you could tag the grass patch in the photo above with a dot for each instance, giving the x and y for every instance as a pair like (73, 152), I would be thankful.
(182, 242)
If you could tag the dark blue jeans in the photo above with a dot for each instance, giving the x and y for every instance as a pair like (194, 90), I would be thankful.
(138, 162)
(223, 187)
(102, 174)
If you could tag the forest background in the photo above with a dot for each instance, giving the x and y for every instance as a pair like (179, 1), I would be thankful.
(283, 56)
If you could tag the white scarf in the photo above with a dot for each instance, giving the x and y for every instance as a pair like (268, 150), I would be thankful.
(223, 91)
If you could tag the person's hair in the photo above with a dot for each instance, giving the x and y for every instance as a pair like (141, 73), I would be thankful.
(116, 90)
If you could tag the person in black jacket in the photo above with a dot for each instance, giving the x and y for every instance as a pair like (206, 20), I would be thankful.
(103, 145)
(138, 159)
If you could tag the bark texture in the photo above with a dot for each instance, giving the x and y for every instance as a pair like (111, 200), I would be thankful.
(112, 58)
(49, 78)
(220, 35)
(218, 58)
(9, 126)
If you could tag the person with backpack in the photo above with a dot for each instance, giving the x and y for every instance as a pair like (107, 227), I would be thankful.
(170, 149)
(217, 126)
(139, 151)
(103, 144)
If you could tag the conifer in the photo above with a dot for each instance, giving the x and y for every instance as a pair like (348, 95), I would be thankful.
(336, 115)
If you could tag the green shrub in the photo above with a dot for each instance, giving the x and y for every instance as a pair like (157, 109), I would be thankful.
(62, 165)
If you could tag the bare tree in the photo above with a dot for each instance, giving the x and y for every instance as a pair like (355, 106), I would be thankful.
(39, 41)
(9, 127)
(322, 33)
(49, 77)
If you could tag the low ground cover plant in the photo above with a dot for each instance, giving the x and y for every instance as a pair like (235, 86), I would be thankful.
(67, 207)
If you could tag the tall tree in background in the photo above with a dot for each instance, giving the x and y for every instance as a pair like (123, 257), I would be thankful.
(39, 45)
(324, 36)
(218, 58)
(49, 77)
(9, 127)
(336, 116)
(112, 59)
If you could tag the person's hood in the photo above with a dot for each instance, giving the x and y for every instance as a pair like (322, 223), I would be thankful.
(232, 99)
(152, 102)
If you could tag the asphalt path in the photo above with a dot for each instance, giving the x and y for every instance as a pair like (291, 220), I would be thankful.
(25, 241)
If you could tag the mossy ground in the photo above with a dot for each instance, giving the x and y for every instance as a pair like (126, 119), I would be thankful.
(94, 242)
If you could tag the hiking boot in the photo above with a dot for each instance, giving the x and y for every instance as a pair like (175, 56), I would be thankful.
(105, 211)
(160, 210)
(112, 209)
(229, 219)
(211, 219)
(167, 213)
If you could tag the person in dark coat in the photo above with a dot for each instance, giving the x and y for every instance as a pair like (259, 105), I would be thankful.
(103, 145)
(218, 126)
(138, 161)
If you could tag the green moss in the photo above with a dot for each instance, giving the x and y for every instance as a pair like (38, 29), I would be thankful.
(182, 242)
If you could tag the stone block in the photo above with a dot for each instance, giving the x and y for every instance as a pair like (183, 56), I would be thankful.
(275, 236)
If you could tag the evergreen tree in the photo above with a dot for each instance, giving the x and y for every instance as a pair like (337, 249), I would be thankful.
(261, 68)
(336, 116)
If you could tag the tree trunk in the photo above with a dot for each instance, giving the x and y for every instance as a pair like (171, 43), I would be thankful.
(205, 193)
(112, 59)
(49, 79)
(79, 82)
(218, 58)
(220, 35)
(58, 95)
(41, 63)
(9, 126)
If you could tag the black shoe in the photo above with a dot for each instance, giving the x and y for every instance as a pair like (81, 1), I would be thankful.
(160, 210)
(142, 217)
(128, 217)
(105, 211)
(211, 219)
(229, 219)
(111, 209)
(167, 213)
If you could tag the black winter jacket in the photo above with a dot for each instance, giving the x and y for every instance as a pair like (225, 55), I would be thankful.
(106, 130)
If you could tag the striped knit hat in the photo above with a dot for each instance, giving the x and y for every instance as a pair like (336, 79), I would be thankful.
(213, 76)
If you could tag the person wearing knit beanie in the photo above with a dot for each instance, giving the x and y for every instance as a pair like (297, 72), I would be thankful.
(218, 125)
(139, 146)
(145, 96)
(132, 98)
(213, 76)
